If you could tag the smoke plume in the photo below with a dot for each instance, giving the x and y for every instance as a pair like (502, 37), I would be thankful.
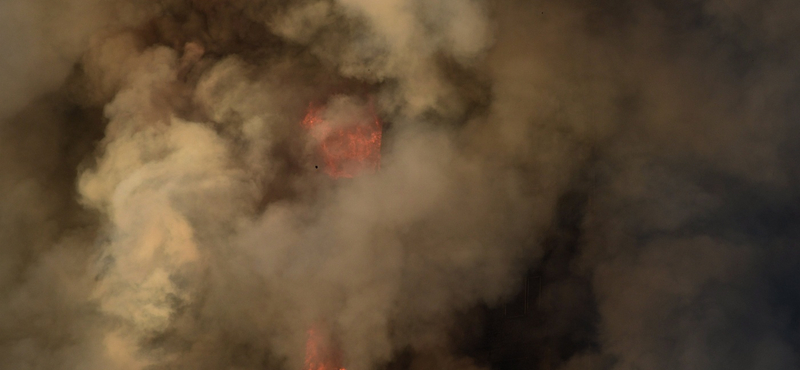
(163, 207)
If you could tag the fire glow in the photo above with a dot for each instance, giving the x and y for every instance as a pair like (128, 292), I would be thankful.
(321, 354)
(346, 150)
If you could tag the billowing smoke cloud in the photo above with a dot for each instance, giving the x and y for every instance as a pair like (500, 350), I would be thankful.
(163, 208)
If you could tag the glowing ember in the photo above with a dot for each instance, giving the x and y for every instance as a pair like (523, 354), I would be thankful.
(321, 354)
(346, 149)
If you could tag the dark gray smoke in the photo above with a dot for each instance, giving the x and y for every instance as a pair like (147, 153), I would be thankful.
(161, 207)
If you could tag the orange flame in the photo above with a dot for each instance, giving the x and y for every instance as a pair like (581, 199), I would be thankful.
(349, 150)
(320, 353)
(346, 151)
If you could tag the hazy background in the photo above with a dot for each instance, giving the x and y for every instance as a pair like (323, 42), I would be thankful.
(161, 210)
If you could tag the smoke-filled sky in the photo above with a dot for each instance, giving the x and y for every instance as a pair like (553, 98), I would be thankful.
(161, 208)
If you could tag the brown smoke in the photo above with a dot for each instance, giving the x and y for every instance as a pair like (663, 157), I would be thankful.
(162, 210)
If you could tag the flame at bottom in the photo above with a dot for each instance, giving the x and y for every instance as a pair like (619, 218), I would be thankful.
(321, 352)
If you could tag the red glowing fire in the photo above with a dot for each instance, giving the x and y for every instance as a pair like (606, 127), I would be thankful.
(346, 149)
(321, 354)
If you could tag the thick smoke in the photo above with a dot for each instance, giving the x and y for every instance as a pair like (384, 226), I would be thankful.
(162, 210)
